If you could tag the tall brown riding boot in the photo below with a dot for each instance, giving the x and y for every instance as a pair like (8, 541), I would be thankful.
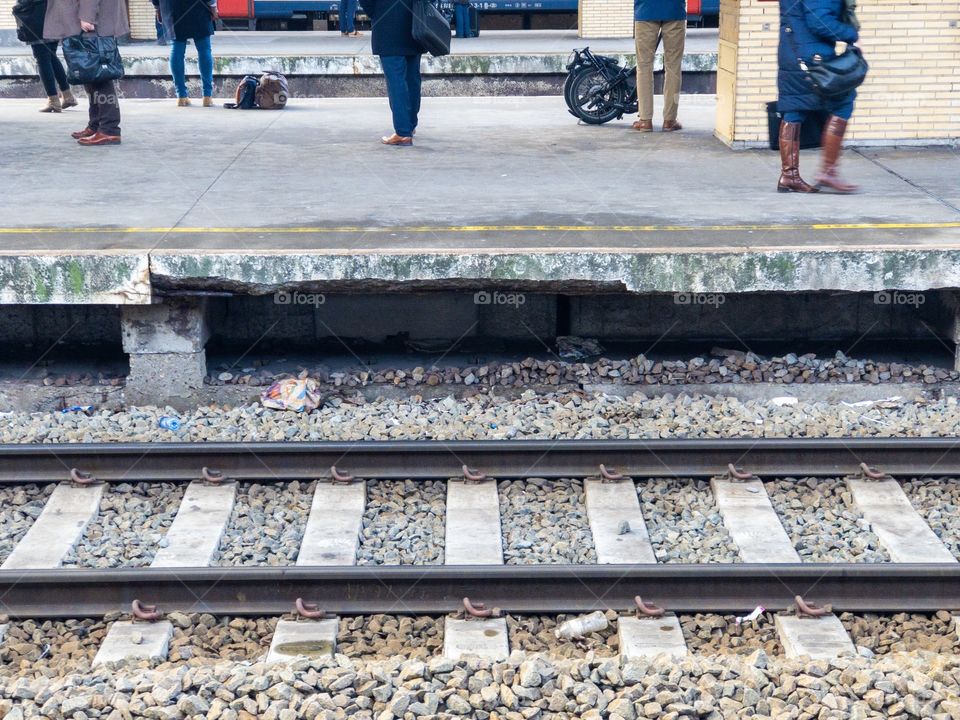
(790, 180)
(832, 142)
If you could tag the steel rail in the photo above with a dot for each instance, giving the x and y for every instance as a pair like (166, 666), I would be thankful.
(517, 589)
(432, 459)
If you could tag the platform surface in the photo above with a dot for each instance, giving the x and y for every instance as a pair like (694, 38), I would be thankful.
(506, 188)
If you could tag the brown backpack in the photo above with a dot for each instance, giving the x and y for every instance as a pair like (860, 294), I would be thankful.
(272, 92)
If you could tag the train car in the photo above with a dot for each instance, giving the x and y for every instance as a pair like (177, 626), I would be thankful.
(263, 13)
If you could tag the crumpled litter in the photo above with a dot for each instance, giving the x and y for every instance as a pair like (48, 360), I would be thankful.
(757, 612)
(571, 347)
(299, 394)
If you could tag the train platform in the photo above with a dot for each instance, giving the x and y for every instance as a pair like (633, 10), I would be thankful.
(325, 64)
(504, 190)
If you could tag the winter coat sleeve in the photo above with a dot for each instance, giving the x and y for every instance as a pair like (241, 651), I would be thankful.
(89, 10)
(823, 21)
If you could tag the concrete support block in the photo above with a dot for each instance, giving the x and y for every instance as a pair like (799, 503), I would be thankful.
(173, 326)
(165, 378)
(128, 640)
(295, 639)
(487, 639)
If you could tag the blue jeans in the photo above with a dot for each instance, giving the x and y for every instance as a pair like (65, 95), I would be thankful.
(402, 73)
(205, 53)
(462, 14)
(348, 13)
(841, 107)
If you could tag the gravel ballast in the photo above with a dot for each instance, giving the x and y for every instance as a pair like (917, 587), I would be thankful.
(822, 521)
(267, 524)
(938, 502)
(130, 526)
(545, 522)
(381, 637)
(524, 686)
(20, 506)
(903, 632)
(531, 416)
(708, 634)
(725, 366)
(684, 523)
(404, 523)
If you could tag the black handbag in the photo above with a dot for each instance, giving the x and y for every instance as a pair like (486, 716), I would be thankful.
(431, 30)
(835, 76)
(92, 59)
(29, 16)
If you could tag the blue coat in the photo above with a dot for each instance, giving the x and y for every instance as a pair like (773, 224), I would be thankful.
(186, 19)
(392, 22)
(807, 28)
(659, 10)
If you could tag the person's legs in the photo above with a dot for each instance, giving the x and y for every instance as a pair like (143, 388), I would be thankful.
(41, 53)
(674, 36)
(205, 54)
(348, 13)
(93, 113)
(831, 143)
(646, 41)
(58, 72)
(462, 14)
(105, 97)
(395, 73)
(177, 52)
(789, 139)
(414, 84)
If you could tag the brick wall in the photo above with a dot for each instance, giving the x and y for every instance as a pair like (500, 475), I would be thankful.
(142, 20)
(911, 94)
(6, 19)
(606, 18)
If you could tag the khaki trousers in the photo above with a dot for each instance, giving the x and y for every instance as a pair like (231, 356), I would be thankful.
(674, 33)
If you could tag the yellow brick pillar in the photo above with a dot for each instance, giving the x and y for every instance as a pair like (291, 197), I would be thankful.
(911, 94)
(142, 19)
(8, 25)
(606, 18)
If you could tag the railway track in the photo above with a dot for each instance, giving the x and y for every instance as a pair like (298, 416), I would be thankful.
(337, 586)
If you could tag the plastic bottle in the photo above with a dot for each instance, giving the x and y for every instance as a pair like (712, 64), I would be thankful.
(583, 625)
(168, 422)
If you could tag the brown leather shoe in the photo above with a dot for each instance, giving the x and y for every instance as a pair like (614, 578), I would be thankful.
(99, 138)
(643, 125)
(85, 133)
(397, 140)
(832, 143)
(672, 126)
(790, 180)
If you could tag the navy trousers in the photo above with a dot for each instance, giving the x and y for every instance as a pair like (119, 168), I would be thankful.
(402, 73)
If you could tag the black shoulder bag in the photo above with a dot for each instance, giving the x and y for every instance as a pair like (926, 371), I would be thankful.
(431, 30)
(92, 59)
(836, 76)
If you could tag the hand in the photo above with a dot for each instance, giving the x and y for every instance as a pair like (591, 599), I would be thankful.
(214, 15)
(87, 27)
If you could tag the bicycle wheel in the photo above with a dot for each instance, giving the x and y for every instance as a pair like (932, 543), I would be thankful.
(592, 100)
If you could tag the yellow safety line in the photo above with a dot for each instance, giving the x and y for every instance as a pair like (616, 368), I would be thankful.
(475, 229)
